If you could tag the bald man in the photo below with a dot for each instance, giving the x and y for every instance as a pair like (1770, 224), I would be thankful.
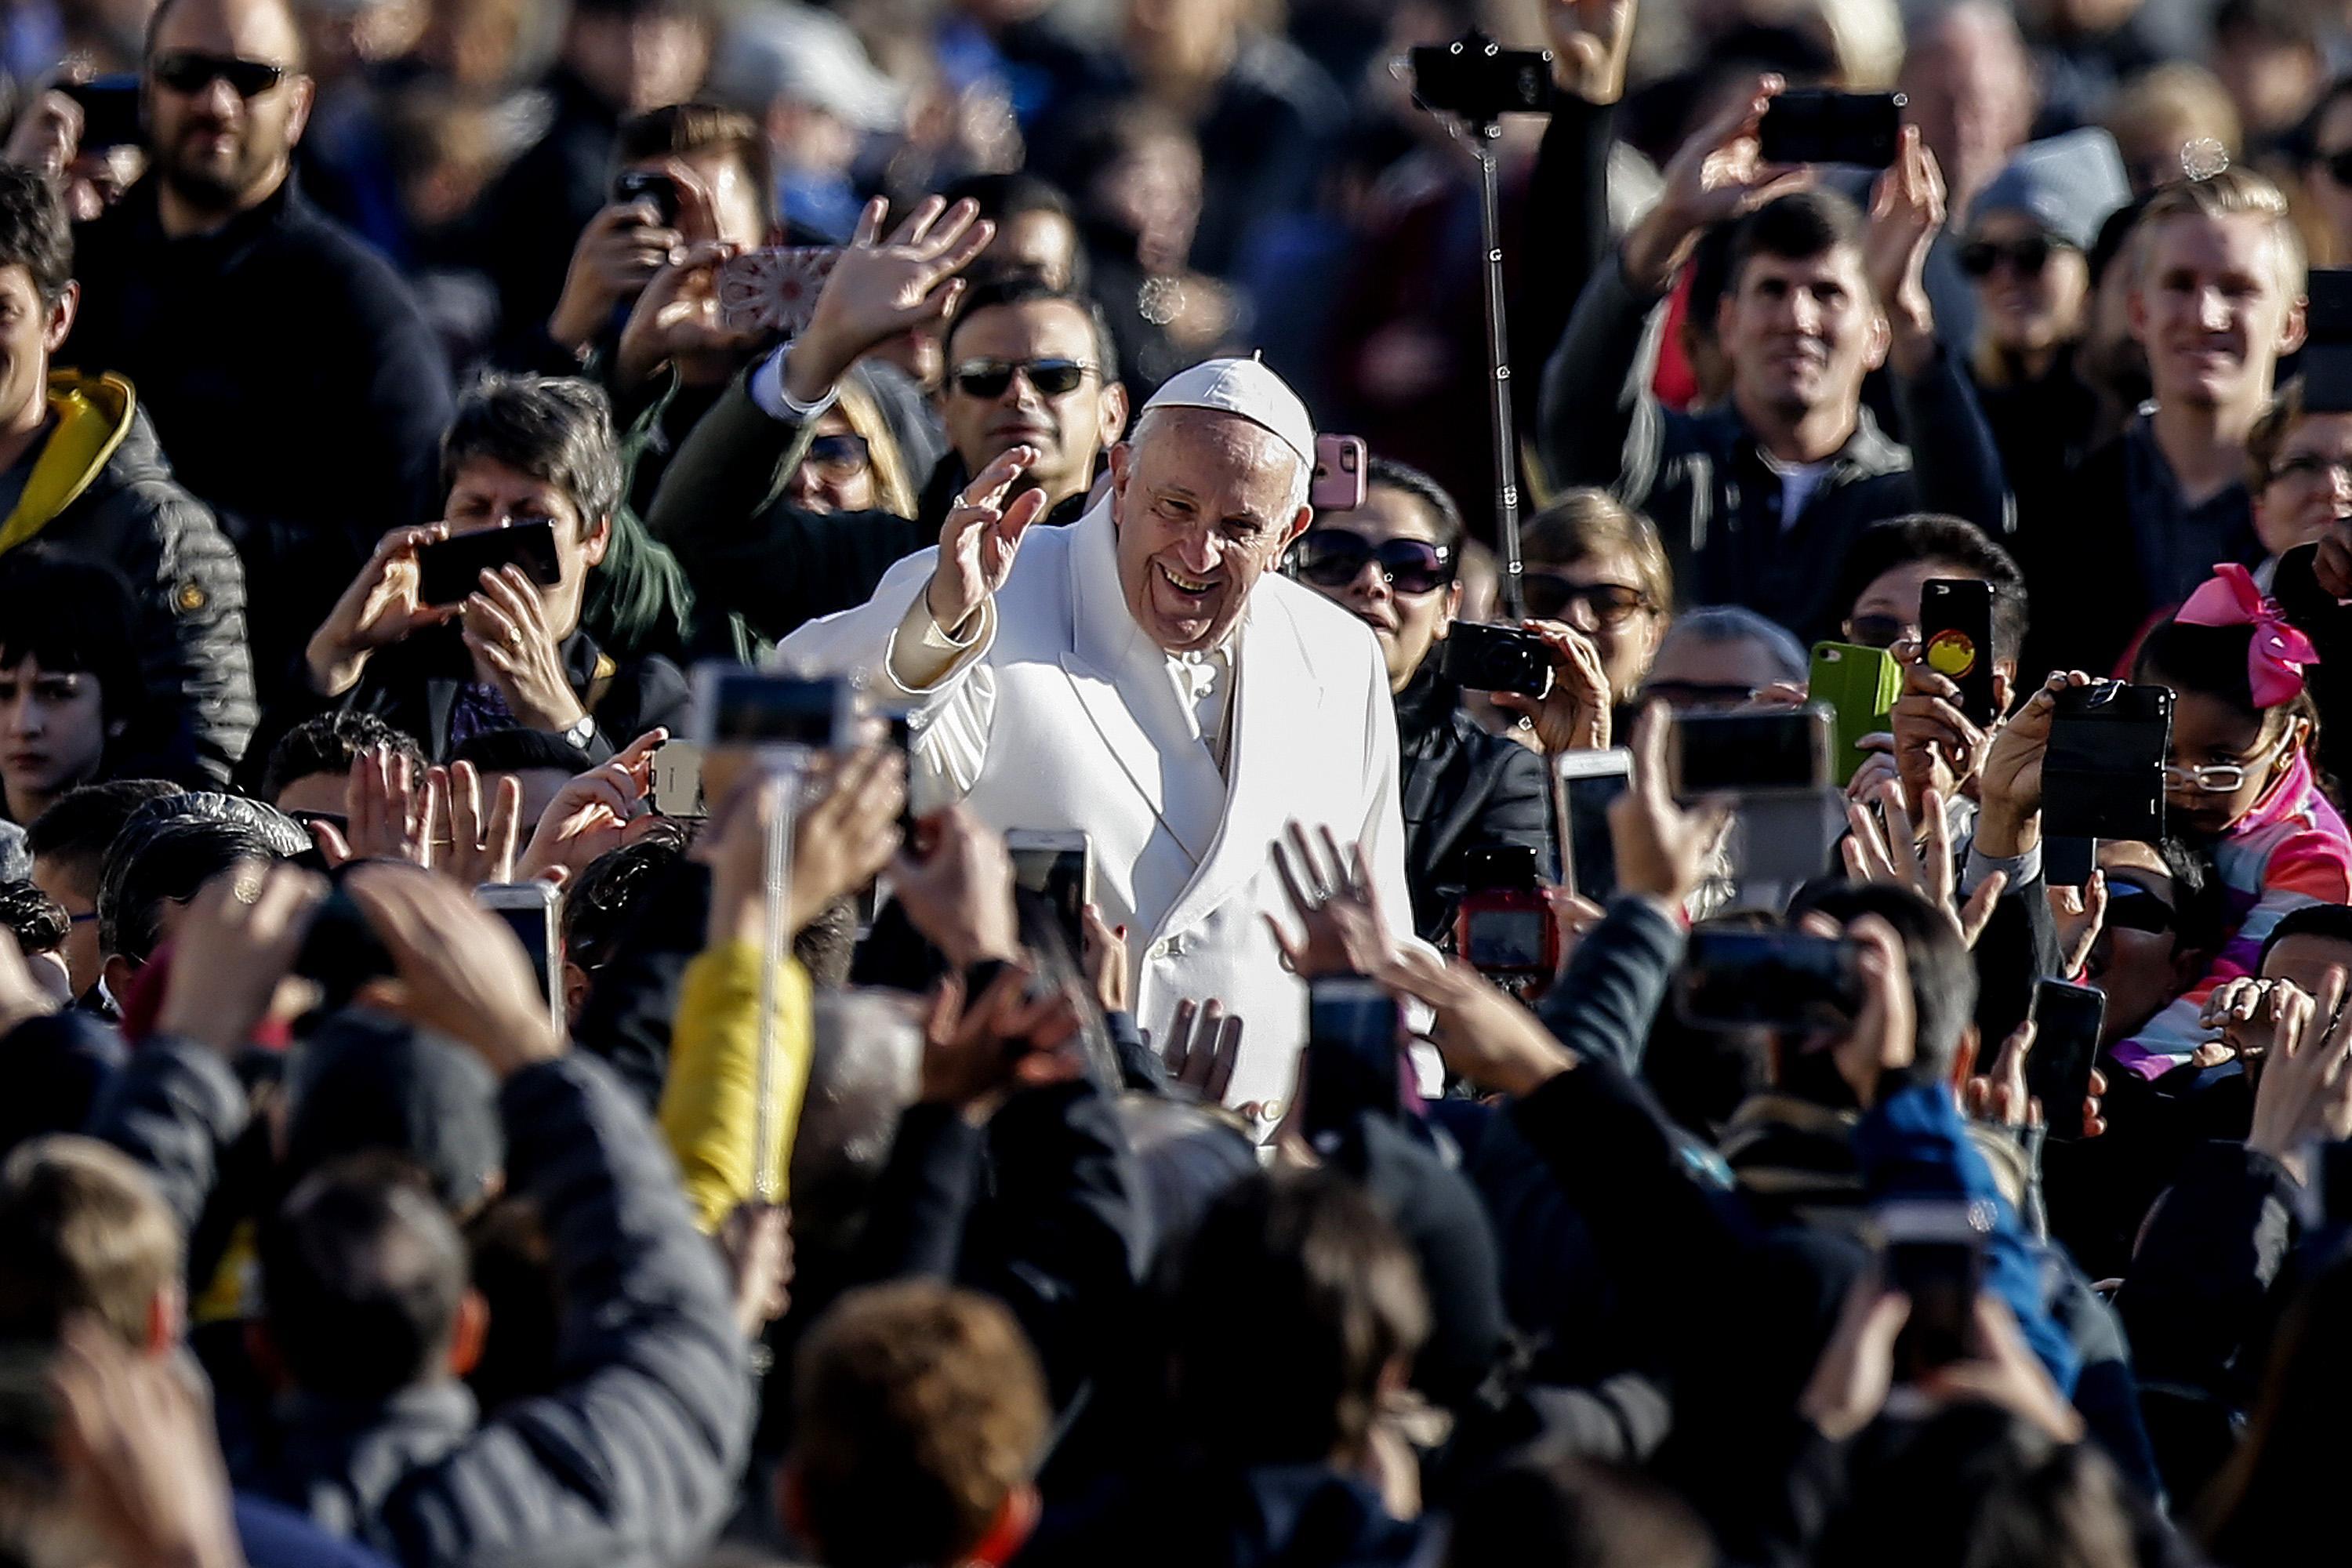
(295, 385)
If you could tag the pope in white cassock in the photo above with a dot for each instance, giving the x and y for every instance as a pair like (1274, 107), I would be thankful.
(1146, 677)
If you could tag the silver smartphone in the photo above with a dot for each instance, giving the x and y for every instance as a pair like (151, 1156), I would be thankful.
(531, 910)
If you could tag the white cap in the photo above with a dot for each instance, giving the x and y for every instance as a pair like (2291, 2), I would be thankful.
(1243, 387)
(806, 55)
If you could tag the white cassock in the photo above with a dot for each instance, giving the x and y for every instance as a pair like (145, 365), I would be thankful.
(1061, 713)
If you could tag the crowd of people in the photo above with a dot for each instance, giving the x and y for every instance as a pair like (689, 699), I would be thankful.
(483, 1104)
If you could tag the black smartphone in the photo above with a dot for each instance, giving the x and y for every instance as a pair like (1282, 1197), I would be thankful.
(658, 191)
(1060, 868)
(452, 568)
(2066, 1020)
(1353, 1063)
(1479, 657)
(1955, 640)
(1815, 125)
(109, 112)
(2103, 776)
(1772, 978)
(1476, 80)
(1783, 748)
(1934, 1252)
(738, 707)
(1502, 926)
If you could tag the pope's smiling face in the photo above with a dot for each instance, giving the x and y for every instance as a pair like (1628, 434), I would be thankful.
(1205, 503)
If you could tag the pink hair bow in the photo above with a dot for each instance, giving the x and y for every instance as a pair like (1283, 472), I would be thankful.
(2276, 656)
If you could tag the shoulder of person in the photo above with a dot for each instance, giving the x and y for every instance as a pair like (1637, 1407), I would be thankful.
(1329, 636)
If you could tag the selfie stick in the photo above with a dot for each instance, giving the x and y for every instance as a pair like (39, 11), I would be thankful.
(1484, 133)
(780, 794)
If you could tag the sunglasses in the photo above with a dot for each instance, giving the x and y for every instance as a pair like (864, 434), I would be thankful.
(2131, 907)
(1550, 596)
(840, 457)
(2026, 257)
(989, 377)
(1332, 557)
(1877, 631)
(1697, 694)
(2339, 165)
(192, 73)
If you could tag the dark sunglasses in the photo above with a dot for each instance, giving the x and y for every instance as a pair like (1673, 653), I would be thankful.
(989, 377)
(2027, 256)
(1697, 694)
(1332, 558)
(2131, 907)
(334, 819)
(1877, 631)
(192, 73)
(2339, 165)
(843, 457)
(1549, 595)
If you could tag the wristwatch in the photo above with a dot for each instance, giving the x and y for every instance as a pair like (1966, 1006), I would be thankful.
(582, 731)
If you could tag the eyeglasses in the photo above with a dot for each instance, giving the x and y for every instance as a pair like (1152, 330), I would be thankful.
(334, 819)
(2339, 165)
(2311, 466)
(2131, 907)
(1879, 631)
(189, 73)
(1549, 595)
(2025, 256)
(989, 377)
(1697, 694)
(1332, 557)
(2222, 778)
(840, 457)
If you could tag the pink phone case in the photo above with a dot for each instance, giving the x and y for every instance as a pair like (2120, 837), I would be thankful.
(1340, 462)
(773, 290)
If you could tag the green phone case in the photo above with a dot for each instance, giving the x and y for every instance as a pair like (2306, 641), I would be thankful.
(1860, 685)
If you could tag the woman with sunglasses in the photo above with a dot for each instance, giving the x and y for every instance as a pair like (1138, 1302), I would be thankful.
(853, 462)
(2026, 256)
(1393, 563)
(1599, 567)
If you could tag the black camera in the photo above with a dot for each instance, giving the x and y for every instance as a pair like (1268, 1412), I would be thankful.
(1497, 658)
(1478, 80)
(634, 185)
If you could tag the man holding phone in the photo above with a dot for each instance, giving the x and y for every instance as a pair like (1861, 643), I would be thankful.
(1759, 498)
(535, 455)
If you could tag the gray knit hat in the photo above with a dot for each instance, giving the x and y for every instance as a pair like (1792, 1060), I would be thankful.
(2068, 184)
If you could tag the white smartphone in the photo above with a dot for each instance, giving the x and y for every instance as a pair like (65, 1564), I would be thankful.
(1584, 784)
(678, 781)
(738, 707)
(530, 910)
(1059, 866)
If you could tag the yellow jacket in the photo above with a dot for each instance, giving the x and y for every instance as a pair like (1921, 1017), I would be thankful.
(710, 1103)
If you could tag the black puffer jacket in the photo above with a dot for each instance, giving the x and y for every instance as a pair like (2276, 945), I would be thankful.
(1464, 789)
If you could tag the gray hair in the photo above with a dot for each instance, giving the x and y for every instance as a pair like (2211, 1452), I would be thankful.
(1302, 474)
(1720, 624)
(863, 1072)
(556, 428)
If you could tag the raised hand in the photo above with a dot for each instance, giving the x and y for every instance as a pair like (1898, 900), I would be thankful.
(1203, 1042)
(507, 633)
(1590, 42)
(1906, 214)
(460, 971)
(2247, 1011)
(844, 830)
(598, 811)
(1103, 955)
(1936, 747)
(1662, 850)
(1573, 714)
(2305, 1094)
(239, 940)
(2079, 914)
(1486, 1038)
(881, 288)
(621, 248)
(137, 1456)
(383, 605)
(2009, 784)
(1899, 857)
(388, 809)
(1718, 176)
(1885, 1035)
(2000, 1096)
(956, 887)
(465, 843)
(975, 1055)
(980, 537)
(1332, 894)
(678, 314)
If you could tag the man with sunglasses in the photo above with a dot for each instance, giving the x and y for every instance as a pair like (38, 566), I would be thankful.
(297, 389)
(1393, 563)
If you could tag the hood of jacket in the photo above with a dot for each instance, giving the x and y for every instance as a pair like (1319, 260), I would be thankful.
(93, 415)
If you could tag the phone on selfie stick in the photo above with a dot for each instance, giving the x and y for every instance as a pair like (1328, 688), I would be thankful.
(786, 723)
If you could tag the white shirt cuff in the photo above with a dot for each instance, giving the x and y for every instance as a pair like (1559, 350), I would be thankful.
(767, 389)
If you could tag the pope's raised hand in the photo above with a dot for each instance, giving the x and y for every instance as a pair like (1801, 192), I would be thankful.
(980, 537)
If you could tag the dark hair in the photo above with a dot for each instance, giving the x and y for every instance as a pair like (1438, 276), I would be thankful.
(361, 1273)
(82, 823)
(2211, 662)
(1794, 228)
(34, 233)
(70, 614)
(170, 848)
(2287, 22)
(1943, 979)
(684, 130)
(330, 744)
(556, 428)
(1427, 491)
(38, 921)
(296, 56)
(1295, 1296)
(1567, 1512)
(1010, 195)
(1023, 288)
(1927, 536)
(598, 903)
(2200, 901)
(2329, 922)
(517, 749)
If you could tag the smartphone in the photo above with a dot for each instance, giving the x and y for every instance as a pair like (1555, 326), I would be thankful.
(1583, 785)
(1933, 1250)
(1353, 1063)
(1340, 464)
(1816, 125)
(1734, 978)
(528, 909)
(2066, 1021)
(110, 110)
(1059, 867)
(450, 569)
(1956, 641)
(1784, 749)
(2103, 776)
(678, 781)
(1481, 84)
(1502, 927)
(734, 706)
(774, 288)
(658, 191)
(1480, 658)
(1859, 686)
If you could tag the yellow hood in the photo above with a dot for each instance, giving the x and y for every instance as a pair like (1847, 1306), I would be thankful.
(93, 415)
